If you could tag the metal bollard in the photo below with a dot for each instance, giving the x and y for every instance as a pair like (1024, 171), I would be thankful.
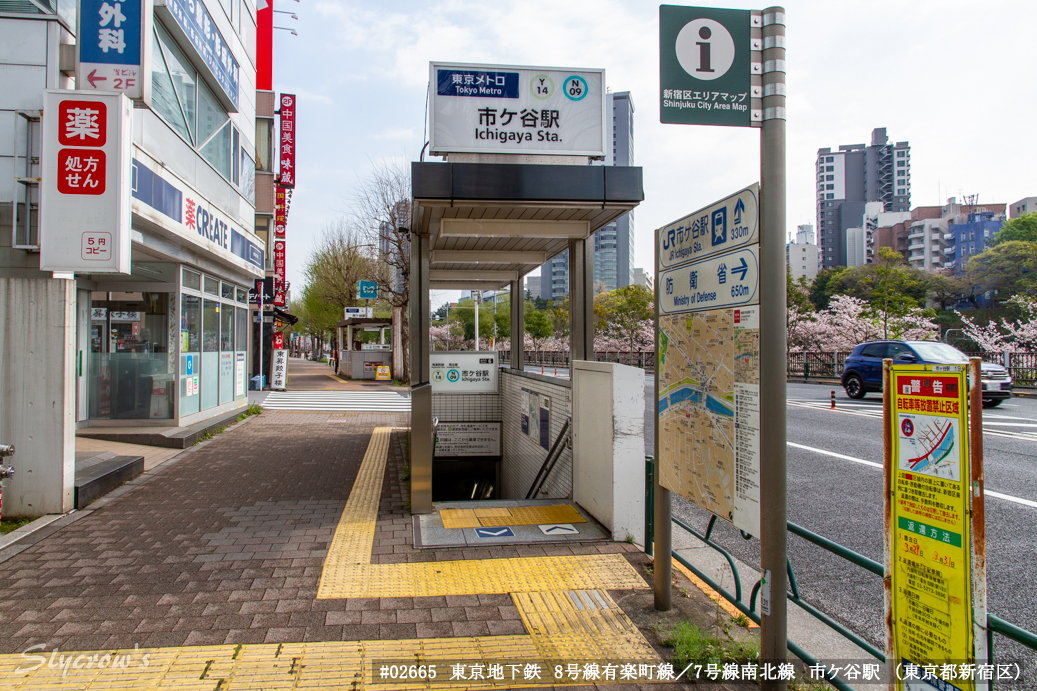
(5, 472)
(833, 400)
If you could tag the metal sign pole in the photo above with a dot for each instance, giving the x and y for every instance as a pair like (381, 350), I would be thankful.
(773, 519)
(663, 524)
(981, 651)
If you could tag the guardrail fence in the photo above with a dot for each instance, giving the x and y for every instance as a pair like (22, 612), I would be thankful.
(995, 625)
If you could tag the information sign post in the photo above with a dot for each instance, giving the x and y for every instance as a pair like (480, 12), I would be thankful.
(726, 67)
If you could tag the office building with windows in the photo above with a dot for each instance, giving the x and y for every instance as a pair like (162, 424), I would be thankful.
(801, 255)
(613, 243)
(850, 177)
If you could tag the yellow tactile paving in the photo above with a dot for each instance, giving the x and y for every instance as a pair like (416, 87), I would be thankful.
(494, 512)
(348, 571)
(459, 518)
(533, 515)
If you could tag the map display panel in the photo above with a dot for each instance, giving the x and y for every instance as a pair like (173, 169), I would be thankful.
(709, 411)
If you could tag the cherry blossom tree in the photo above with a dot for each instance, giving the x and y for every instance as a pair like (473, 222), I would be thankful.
(1020, 334)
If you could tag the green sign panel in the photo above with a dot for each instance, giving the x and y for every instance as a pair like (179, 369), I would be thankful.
(704, 66)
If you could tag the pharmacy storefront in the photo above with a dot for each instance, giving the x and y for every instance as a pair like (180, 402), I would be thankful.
(167, 343)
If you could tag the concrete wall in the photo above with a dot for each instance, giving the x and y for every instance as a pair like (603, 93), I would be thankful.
(522, 455)
(37, 393)
(609, 445)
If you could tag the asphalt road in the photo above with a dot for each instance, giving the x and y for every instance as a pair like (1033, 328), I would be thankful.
(842, 500)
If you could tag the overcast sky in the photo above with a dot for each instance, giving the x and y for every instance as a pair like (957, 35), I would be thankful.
(955, 79)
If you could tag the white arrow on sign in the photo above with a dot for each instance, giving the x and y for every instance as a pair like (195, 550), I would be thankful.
(721, 227)
(558, 529)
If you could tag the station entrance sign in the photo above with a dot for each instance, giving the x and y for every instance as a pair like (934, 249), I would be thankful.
(708, 403)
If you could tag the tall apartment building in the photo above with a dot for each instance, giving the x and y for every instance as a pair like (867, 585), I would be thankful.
(166, 342)
(801, 255)
(613, 243)
(849, 178)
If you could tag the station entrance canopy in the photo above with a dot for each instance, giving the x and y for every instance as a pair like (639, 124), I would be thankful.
(479, 226)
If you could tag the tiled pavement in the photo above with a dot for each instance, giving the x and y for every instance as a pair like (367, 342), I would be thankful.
(225, 545)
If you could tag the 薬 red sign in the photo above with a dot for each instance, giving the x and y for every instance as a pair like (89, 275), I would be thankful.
(287, 143)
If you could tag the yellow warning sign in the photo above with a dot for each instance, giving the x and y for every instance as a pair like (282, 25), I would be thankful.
(928, 537)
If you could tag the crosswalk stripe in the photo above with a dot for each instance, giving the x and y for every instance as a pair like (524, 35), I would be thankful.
(373, 401)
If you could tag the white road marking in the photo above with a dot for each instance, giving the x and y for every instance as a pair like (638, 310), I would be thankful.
(873, 464)
(371, 401)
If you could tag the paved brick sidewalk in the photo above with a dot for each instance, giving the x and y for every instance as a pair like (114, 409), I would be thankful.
(225, 545)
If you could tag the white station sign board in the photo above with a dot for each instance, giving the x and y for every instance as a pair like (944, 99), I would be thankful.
(85, 185)
(508, 109)
(721, 227)
(463, 371)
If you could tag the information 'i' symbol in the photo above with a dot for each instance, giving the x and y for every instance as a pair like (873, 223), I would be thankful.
(704, 34)
(705, 49)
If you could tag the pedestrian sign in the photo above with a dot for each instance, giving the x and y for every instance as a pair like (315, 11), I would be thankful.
(706, 66)
(728, 224)
(928, 533)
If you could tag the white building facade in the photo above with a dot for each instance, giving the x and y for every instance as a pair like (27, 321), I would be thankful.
(165, 345)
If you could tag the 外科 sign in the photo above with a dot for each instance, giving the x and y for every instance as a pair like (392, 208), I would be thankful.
(206, 41)
(279, 370)
(517, 110)
(468, 439)
(112, 54)
(466, 371)
(729, 280)
(706, 66)
(929, 537)
(85, 185)
(287, 144)
(366, 290)
(721, 227)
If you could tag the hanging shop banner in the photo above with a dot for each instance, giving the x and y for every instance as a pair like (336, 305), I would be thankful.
(287, 179)
(929, 537)
(468, 439)
(265, 45)
(517, 110)
(279, 283)
(280, 212)
(707, 64)
(463, 371)
(279, 369)
(85, 182)
(278, 340)
(112, 52)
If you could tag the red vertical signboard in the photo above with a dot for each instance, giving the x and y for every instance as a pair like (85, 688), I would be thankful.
(280, 212)
(287, 141)
(279, 287)
(265, 45)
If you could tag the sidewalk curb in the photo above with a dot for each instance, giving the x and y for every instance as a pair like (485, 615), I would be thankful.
(45, 526)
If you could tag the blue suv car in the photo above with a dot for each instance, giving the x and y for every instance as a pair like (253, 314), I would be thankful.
(862, 371)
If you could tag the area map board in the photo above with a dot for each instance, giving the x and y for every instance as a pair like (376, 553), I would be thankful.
(929, 538)
(708, 402)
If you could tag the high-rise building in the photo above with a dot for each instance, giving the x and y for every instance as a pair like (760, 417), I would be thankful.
(801, 255)
(851, 177)
(533, 286)
(613, 243)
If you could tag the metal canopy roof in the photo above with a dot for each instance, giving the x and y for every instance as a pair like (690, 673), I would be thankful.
(492, 223)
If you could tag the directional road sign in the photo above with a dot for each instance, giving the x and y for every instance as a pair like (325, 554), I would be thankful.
(729, 280)
(721, 227)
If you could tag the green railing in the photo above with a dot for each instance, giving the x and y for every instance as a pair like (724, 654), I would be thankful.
(994, 624)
